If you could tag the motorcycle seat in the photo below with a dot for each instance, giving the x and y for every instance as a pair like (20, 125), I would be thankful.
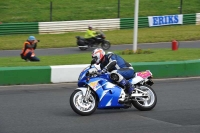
(131, 77)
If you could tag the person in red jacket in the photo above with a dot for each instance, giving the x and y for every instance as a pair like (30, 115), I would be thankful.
(28, 49)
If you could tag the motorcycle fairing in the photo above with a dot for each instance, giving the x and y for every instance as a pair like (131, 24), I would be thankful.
(136, 80)
(140, 76)
(107, 92)
(144, 74)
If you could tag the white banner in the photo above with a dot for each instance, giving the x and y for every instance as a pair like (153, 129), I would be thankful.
(165, 20)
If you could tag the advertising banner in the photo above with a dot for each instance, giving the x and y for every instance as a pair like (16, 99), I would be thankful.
(165, 20)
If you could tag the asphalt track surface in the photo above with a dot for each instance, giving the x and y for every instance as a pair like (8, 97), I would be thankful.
(46, 109)
(75, 50)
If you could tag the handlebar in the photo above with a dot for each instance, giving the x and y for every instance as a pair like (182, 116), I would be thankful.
(92, 74)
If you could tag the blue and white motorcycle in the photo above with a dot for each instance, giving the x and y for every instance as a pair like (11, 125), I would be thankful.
(98, 91)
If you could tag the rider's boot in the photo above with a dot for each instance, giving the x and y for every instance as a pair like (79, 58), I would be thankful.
(128, 89)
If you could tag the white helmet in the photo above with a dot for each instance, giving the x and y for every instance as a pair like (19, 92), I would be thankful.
(98, 55)
(90, 26)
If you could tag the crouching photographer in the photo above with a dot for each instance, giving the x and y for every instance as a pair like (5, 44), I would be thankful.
(28, 49)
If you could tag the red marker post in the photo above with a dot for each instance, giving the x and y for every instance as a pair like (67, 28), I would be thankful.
(174, 45)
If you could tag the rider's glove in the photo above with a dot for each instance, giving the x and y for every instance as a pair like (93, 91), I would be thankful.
(104, 70)
(99, 72)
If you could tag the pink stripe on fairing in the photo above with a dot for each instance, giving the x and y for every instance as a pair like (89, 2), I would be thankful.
(144, 74)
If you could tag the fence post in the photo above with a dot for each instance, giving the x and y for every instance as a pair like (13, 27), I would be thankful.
(51, 10)
(118, 9)
(181, 5)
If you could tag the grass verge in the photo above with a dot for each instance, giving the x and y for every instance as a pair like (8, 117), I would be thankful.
(145, 35)
(158, 55)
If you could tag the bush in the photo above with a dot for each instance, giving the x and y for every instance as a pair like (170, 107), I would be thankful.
(138, 51)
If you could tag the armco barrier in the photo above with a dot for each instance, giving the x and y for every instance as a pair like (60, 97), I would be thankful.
(72, 26)
(19, 28)
(25, 75)
(189, 19)
(81, 25)
(70, 73)
(198, 19)
(128, 23)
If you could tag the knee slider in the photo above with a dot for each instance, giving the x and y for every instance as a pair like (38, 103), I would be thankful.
(114, 77)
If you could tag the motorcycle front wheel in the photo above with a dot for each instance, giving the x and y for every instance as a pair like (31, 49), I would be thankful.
(80, 106)
(83, 48)
(145, 103)
(105, 45)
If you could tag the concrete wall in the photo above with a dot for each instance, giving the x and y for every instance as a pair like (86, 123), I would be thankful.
(70, 73)
(24, 75)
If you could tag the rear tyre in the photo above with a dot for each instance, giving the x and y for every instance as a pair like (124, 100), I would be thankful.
(145, 103)
(105, 45)
(79, 106)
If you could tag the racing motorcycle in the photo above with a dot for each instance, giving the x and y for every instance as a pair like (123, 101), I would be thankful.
(98, 91)
(84, 44)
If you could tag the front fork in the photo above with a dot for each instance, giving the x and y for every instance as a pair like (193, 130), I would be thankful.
(87, 94)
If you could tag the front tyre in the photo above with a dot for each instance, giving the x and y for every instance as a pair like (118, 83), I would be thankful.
(83, 48)
(148, 102)
(105, 45)
(80, 106)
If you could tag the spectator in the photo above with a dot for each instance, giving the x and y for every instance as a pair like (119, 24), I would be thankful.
(28, 49)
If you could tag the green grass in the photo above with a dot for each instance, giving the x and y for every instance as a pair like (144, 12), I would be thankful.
(158, 55)
(145, 35)
(38, 11)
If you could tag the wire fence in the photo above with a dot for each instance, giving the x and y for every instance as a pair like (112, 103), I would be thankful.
(67, 10)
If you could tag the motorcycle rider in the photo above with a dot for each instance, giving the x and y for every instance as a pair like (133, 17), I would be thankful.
(120, 70)
(28, 49)
(90, 35)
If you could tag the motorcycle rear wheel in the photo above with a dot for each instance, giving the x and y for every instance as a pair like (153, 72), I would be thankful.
(79, 106)
(105, 45)
(148, 103)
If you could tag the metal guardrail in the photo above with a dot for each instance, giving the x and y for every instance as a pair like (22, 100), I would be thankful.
(19, 28)
(198, 19)
(72, 26)
(189, 19)
(127, 23)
